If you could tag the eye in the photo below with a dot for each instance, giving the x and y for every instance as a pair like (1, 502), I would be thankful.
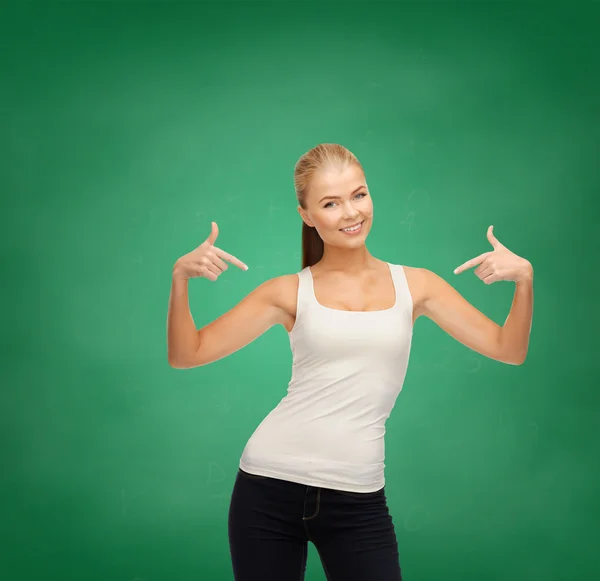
(328, 204)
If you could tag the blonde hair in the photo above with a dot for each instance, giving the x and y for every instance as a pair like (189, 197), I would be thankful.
(322, 157)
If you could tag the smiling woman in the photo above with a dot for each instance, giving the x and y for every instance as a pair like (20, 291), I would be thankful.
(316, 461)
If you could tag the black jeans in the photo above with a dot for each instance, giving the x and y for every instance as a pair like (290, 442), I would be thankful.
(271, 522)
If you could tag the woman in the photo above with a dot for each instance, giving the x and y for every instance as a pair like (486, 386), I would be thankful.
(314, 468)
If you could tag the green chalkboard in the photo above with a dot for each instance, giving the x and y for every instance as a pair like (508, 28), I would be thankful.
(127, 127)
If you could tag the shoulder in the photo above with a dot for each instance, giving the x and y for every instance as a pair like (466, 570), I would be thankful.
(414, 275)
(282, 287)
(423, 279)
(422, 283)
(282, 292)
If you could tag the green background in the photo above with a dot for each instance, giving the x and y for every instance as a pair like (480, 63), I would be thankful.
(127, 127)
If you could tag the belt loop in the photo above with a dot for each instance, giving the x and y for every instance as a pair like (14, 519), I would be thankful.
(318, 505)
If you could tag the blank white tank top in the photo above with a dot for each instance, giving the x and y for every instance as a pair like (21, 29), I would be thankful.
(348, 369)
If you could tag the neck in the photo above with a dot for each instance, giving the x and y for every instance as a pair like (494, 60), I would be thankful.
(348, 260)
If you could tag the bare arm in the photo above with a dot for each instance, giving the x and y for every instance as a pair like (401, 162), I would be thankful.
(205, 261)
(250, 318)
(514, 335)
(446, 307)
(182, 338)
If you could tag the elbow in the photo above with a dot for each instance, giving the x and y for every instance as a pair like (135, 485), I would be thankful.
(518, 359)
(178, 362)
(185, 363)
(510, 353)
(183, 358)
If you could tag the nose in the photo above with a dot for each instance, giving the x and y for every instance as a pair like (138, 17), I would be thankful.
(350, 211)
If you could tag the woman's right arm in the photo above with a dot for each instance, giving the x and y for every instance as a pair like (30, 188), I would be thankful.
(250, 318)
(264, 307)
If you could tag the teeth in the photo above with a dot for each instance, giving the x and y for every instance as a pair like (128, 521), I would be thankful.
(352, 228)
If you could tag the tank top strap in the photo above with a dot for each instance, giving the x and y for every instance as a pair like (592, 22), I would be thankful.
(305, 290)
(403, 296)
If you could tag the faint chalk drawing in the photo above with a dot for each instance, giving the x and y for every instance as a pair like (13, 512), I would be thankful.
(216, 479)
(232, 198)
(472, 365)
(409, 220)
(421, 195)
(417, 197)
(216, 474)
(416, 519)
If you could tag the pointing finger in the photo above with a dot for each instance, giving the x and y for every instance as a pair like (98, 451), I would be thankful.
(471, 263)
(230, 258)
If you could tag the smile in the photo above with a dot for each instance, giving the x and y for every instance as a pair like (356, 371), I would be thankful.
(352, 229)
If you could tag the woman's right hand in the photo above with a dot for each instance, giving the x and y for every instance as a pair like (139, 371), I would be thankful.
(206, 260)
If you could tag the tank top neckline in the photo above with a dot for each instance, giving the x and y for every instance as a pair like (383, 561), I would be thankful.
(316, 302)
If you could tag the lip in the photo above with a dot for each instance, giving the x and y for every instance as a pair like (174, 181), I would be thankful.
(355, 232)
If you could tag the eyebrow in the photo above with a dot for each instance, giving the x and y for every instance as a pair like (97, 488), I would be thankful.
(337, 197)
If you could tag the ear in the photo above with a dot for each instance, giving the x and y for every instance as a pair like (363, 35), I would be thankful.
(305, 217)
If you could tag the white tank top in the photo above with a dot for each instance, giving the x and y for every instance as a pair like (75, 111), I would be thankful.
(348, 369)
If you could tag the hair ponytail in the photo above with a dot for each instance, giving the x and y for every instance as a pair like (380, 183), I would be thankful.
(323, 156)
(312, 246)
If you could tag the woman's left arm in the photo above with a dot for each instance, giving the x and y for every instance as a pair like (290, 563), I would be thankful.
(455, 315)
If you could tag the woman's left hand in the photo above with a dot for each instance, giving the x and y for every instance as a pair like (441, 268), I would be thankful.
(498, 264)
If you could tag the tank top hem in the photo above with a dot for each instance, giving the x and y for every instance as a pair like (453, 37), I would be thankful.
(306, 481)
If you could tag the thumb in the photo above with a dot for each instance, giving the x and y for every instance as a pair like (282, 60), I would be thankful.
(212, 238)
(492, 239)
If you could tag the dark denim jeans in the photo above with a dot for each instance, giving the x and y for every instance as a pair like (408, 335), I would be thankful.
(271, 522)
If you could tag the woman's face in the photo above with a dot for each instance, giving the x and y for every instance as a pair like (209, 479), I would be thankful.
(336, 200)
